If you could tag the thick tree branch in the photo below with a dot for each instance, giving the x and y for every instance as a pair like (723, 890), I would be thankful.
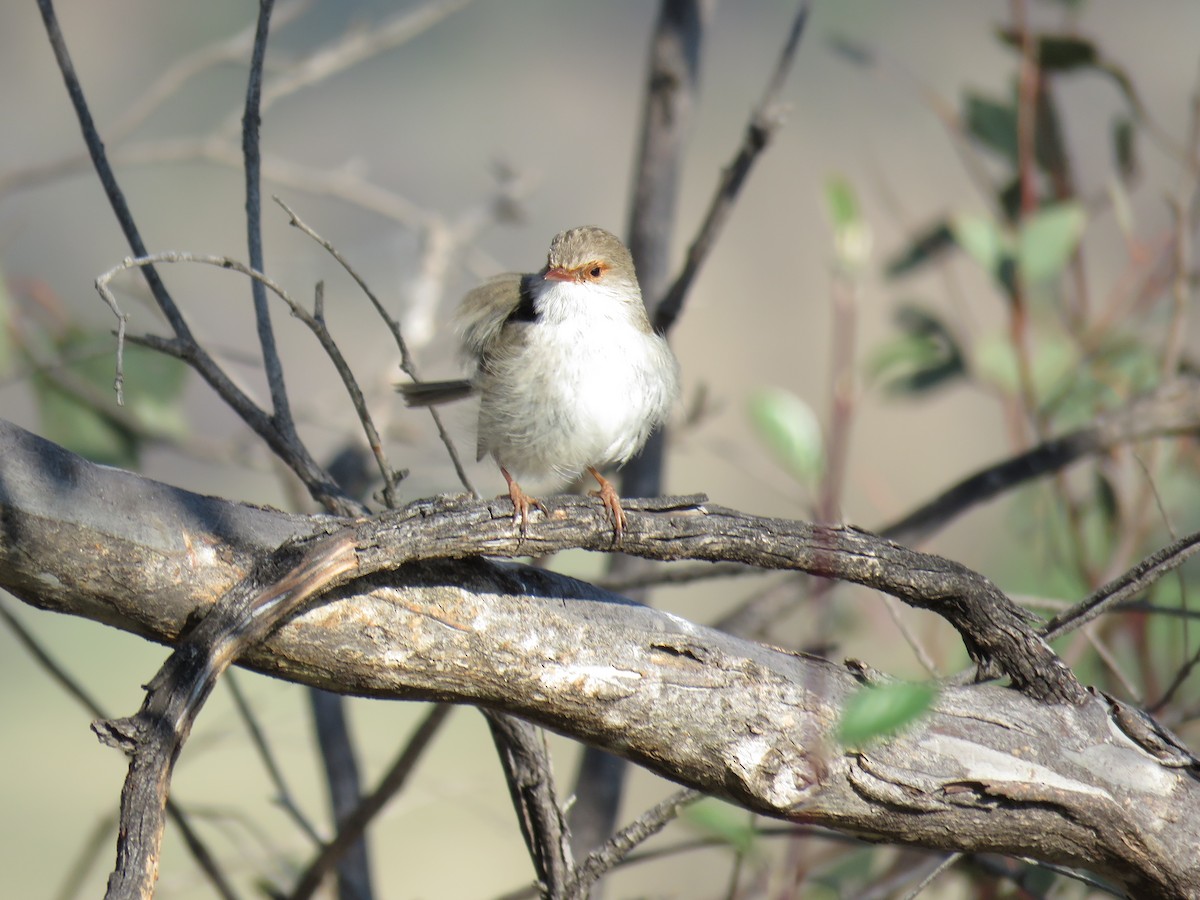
(1091, 783)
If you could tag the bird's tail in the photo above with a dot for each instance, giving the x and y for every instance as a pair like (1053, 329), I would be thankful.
(431, 393)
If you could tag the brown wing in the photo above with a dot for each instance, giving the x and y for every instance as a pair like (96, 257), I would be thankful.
(483, 313)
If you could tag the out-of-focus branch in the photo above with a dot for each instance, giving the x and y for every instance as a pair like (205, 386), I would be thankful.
(764, 121)
(1172, 409)
(281, 411)
(186, 347)
(352, 828)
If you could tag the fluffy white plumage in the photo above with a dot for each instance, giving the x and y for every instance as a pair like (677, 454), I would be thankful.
(583, 385)
(570, 374)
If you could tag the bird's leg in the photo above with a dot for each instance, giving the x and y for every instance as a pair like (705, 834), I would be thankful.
(521, 501)
(612, 502)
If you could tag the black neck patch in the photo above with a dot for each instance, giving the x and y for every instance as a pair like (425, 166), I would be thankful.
(525, 310)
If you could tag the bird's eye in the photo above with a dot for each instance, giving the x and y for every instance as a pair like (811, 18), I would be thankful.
(596, 271)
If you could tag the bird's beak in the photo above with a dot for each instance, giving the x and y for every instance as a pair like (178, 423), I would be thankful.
(558, 273)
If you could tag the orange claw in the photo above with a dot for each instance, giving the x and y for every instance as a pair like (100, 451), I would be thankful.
(521, 502)
(612, 502)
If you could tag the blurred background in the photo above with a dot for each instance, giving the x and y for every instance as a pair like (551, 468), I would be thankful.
(505, 123)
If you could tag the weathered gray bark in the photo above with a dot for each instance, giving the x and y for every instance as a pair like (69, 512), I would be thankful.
(991, 769)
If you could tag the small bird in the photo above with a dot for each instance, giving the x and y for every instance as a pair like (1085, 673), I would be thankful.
(569, 372)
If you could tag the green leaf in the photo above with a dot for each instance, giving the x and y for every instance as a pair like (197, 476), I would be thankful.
(983, 239)
(153, 386)
(1047, 239)
(879, 710)
(82, 428)
(1125, 147)
(993, 124)
(924, 356)
(994, 362)
(928, 246)
(728, 823)
(1120, 367)
(153, 383)
(1054, 363)
(1063, 53)
(1008, 197)
(791, 430)
(1057, 52)
(851, 236)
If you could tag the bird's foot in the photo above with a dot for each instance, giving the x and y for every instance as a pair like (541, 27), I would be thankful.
(612, 502)
(521, 502)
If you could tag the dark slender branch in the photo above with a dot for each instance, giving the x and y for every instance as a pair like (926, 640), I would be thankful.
(258, 738)
(89, 852)
(1172, 409)
(941, 866)
(527, 770)
(670, 98)
(352, 828)
(185, 345)
(252, 167)
(1123, 588)
(406, 361)
(51, 665)
(341, 777)
(104, 172)
(618, 847)
(764, 121)
(314, 323)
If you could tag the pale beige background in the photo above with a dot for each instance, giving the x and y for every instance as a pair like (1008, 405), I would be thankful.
(553, 89)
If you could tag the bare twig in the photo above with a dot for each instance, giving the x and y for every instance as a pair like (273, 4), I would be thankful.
(1123, 588)
(252, 166)
(294, 454)
(406, 362)
(672, 78)
(336, 749)
(160, 90)
(356, 46)
(315, 325)
(618, 847)
(946, 863)
(764, 121)
(354, 825)
(259, 739)
(1172, 409)
(154, 737)
(895, 613)
(97, 841)
(526, 763)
